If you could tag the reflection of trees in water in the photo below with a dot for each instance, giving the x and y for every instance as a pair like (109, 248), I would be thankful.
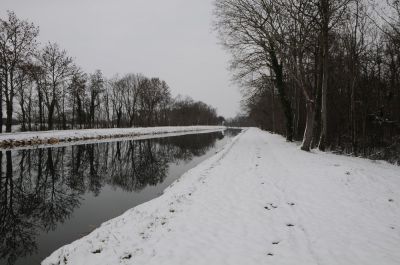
(136, 164)
(187, 146)
(16, 233)
(232, 132)
(33, 196)
(40, 188)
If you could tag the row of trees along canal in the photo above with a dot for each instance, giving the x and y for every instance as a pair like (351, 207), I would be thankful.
(325, 71)
(42, 88)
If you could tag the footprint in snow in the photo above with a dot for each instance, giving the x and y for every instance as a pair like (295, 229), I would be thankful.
(347, 172)
(144, 236)
(273, 206)
(127, 256)
(97, 251)
(270, 206)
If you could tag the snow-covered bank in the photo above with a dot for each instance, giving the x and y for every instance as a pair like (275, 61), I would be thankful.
(258, 201)
(52, 137)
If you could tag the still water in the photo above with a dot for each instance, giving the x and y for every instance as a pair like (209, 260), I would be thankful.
(50, 197)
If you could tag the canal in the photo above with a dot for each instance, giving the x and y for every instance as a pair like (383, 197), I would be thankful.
(52, 196)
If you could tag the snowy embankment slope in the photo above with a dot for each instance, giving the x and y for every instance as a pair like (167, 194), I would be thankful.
(258, 201)
(51, 137)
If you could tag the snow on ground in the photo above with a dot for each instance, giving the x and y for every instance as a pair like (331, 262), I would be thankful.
(113, 138)
(7, 139)
(260, 200)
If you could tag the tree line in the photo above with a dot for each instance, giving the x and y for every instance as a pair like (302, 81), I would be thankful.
(42, 88)
(324, 71)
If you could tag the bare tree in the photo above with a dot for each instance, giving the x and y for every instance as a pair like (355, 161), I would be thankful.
(117, 101)
(96, 87)
(248, 29)
(17, 44)
(151, 97)
(330, 13)
(24, 94)
(56, 67)
(77, 89)
(133, 85)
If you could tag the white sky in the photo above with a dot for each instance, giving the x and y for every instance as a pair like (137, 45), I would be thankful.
(170, 39)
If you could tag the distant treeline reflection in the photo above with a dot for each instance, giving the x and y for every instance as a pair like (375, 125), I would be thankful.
(40, 188)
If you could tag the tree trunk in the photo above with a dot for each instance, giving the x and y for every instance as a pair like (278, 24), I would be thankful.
(40, 109)
(23, 114)
(119, 117)
(50, 116)
(308, 132)
(9, 107)
(325, 62)
(353, 119)
(91, 118)
(273, 112)
(1, 101)
(9, 104)
(287, 109)
(30, 113)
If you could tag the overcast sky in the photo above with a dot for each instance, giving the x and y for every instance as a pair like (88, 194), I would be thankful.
(170, 39)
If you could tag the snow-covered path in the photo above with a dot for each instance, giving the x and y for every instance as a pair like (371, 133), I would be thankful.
(258, 201)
